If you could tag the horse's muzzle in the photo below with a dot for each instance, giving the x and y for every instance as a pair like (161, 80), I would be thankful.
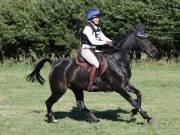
(155, 54)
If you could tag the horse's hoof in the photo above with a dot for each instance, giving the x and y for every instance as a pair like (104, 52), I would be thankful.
(51, 119)
(93, 121)
(151, 121)
(54, 121)
(92, 118)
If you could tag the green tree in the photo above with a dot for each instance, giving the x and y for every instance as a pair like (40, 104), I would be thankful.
(42, 28)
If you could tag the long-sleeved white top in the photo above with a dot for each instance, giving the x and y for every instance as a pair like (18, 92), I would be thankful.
(100, 40)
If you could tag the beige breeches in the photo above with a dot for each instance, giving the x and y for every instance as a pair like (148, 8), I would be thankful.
(88, 55)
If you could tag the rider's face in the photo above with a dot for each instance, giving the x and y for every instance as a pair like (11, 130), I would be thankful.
(96, 20)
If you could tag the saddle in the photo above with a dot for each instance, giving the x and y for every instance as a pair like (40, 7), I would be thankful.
(79, 60)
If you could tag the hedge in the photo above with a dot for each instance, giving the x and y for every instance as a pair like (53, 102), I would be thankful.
(50, 28)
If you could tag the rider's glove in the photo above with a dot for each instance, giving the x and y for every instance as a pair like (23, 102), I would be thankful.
(109, 43)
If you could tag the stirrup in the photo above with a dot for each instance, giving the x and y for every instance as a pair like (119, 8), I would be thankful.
(92, 86)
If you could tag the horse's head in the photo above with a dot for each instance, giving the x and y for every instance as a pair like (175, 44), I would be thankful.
(143, 43)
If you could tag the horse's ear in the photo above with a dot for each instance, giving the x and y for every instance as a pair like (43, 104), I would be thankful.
(139, 30)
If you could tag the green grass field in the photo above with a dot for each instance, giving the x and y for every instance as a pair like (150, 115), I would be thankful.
(22, 107)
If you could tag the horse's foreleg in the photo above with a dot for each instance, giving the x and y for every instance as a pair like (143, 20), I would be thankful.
(79, 95)
(132, 89)
(124, 92)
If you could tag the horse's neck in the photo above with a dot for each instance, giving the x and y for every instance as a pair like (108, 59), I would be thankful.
(128, 44)
(124, 56)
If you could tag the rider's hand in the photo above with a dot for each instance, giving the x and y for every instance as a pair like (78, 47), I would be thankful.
(109, 43)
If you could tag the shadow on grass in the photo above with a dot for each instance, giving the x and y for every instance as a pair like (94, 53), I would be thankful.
(113, 115)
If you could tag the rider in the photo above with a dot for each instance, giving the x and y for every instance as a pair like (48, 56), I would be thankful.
(92, 36)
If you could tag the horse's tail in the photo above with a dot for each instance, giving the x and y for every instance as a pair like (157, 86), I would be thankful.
(35, 75)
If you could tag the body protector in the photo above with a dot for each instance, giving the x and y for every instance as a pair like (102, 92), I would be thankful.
(84, 38)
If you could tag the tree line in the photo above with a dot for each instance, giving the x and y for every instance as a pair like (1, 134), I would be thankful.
(51, 28)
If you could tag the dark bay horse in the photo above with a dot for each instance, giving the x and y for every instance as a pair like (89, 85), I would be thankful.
(67, 74)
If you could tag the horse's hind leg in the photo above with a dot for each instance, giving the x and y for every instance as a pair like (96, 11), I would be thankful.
(81, 106)
(55, 96)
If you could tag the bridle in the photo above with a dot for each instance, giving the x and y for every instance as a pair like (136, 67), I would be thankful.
(139, 42)
(130, 50)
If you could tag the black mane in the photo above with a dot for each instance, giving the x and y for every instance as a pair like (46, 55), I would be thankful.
(117, 43)
(120, 39)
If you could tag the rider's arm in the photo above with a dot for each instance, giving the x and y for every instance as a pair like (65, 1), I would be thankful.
(103, 37)
(89, 33)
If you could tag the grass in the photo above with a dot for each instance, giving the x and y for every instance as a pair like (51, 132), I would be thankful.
(22, 107)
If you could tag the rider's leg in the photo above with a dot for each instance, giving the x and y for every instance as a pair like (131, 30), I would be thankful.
(91, 58)
(92, 75)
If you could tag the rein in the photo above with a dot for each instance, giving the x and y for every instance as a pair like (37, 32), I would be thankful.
(116, 48)
(129, 52)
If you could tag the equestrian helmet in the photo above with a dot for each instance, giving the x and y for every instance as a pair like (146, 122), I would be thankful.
(92, 13)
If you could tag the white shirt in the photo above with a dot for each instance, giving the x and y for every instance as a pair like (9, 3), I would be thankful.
(100, 40)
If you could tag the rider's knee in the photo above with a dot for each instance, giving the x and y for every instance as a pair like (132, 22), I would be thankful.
(96, 64)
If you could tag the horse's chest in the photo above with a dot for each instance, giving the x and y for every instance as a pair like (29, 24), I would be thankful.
(123, 74)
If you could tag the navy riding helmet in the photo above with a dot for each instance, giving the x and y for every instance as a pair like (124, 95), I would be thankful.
(92, 13)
